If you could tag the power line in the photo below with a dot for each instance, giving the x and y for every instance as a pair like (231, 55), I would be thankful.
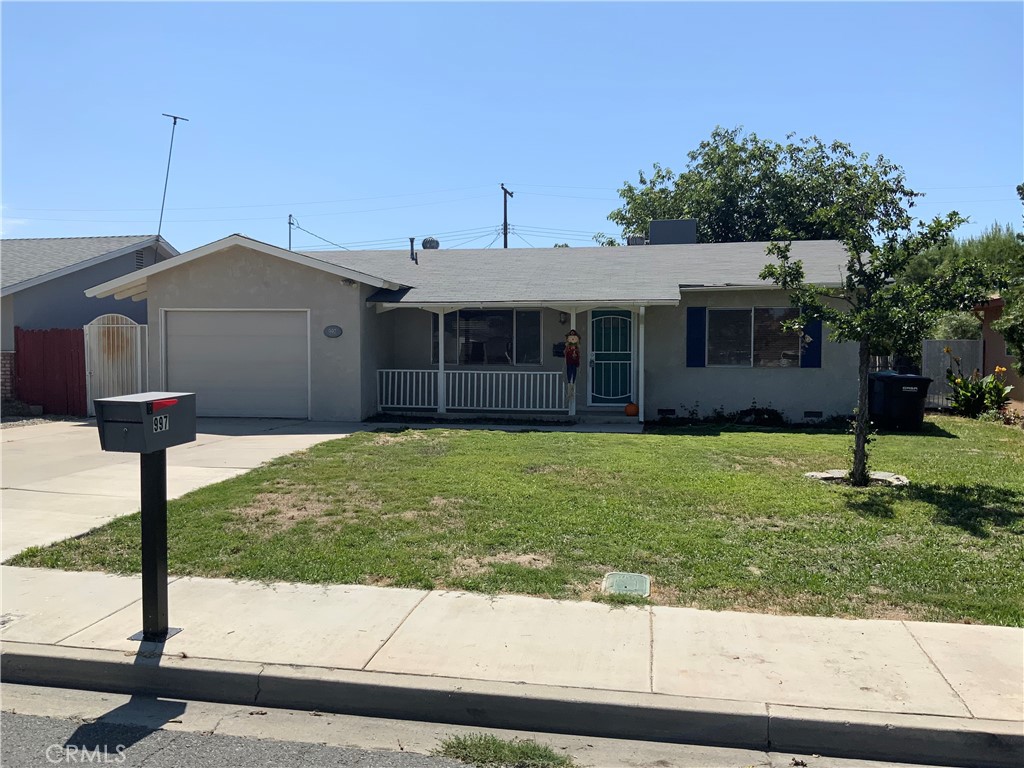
(257, 205)
(400, 241)
(293, 222)
(571, 197)
(480, 237)
(263, 218)
(514, 232)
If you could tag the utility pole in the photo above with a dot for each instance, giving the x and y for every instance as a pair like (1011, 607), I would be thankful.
(291, 223)
(174, 124)
(504, 199)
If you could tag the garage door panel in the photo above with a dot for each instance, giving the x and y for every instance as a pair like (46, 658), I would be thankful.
(240, 362)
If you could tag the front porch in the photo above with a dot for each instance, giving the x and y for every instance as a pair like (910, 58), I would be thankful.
(508, 362)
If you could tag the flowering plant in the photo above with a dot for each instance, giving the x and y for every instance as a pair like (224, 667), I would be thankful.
(973, 395)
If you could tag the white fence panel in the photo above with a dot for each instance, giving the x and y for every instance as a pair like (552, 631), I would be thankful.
(935, 361)
(116, 354)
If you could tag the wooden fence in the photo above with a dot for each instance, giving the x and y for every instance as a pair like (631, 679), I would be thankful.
(50, 370)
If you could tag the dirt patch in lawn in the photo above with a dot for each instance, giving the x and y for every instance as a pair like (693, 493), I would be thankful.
(475, 566)
(273, 512)
(439, 507)
(394, 438)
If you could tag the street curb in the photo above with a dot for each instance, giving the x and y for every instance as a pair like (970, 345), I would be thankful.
(583, 712)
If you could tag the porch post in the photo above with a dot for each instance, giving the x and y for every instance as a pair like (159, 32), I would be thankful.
(441, 395)
(640, 365)
(572, 398)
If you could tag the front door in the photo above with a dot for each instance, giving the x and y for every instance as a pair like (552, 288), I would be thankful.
(611, 357)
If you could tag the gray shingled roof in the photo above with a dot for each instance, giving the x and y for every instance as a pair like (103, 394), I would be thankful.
(628, 274)
(27, 259)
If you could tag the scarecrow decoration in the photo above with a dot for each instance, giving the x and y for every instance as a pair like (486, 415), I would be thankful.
(572, 361)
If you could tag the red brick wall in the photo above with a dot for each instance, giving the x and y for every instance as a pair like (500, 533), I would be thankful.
(7, 375)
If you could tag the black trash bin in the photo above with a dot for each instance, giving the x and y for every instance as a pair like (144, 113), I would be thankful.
(896, 400)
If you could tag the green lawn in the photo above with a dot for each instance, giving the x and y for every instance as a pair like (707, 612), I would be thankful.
(718, 517)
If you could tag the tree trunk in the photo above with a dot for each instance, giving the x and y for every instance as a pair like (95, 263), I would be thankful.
(859, 473)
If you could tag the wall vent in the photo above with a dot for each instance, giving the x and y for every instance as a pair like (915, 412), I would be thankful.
(140, 259)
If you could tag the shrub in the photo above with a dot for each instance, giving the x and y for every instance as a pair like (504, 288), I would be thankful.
(975, 395)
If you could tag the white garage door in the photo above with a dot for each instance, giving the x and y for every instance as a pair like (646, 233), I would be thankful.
(240, 362)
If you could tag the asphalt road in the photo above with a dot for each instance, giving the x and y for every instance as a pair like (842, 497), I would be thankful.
(27, 741)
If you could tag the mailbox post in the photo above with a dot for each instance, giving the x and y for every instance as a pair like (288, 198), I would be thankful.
(148, 424)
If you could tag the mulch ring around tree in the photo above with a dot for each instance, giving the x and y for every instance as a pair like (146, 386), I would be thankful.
(842, 477)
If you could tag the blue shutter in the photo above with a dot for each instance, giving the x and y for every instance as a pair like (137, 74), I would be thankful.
(810, 356)
(696, 334)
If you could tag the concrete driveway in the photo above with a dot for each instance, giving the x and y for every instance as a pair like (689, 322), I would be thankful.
(57, 482)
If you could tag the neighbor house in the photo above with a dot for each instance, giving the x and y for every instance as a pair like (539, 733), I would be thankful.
(996, 353)
(44, 279)
(257, 330)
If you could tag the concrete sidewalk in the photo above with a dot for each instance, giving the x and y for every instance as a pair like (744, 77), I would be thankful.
(922, 692)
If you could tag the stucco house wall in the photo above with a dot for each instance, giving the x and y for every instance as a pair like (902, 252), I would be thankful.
(7, 323)
(62, 303)
(670, 384)
(241, 278)
(996, 353)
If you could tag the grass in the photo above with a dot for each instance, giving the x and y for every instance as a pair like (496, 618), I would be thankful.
(489, 751)
(720, 518)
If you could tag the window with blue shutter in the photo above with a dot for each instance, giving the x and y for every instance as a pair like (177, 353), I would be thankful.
(810, 354)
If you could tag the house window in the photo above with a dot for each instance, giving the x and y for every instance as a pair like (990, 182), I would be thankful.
(489, 337)
(775, 347)
(729, 337)
(754, 337)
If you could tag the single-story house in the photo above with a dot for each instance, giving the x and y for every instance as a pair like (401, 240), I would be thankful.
(995, 352)
(44, 279)
(257, 330)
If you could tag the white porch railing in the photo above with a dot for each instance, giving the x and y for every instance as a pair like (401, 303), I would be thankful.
(472, 390)
(406, 389)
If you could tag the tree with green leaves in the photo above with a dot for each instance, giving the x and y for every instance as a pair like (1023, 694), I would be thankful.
(1011, 322)
(873, 307)
(746, 189)
(1000, 251)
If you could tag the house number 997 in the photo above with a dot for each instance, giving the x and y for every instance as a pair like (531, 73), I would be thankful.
(161, 423)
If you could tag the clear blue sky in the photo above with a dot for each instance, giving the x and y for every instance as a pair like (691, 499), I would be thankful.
(380, 122)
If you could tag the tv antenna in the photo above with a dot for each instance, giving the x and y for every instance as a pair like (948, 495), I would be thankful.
(174, 124)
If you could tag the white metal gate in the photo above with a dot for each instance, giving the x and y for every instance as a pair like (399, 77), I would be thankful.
(935, 361)
(115, 358)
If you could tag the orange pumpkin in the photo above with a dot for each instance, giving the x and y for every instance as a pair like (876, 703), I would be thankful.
(632, 409)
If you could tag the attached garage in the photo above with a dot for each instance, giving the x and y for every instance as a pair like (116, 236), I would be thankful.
(239, 362)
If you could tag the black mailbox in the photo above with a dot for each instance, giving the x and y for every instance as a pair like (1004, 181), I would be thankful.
(146, 422)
